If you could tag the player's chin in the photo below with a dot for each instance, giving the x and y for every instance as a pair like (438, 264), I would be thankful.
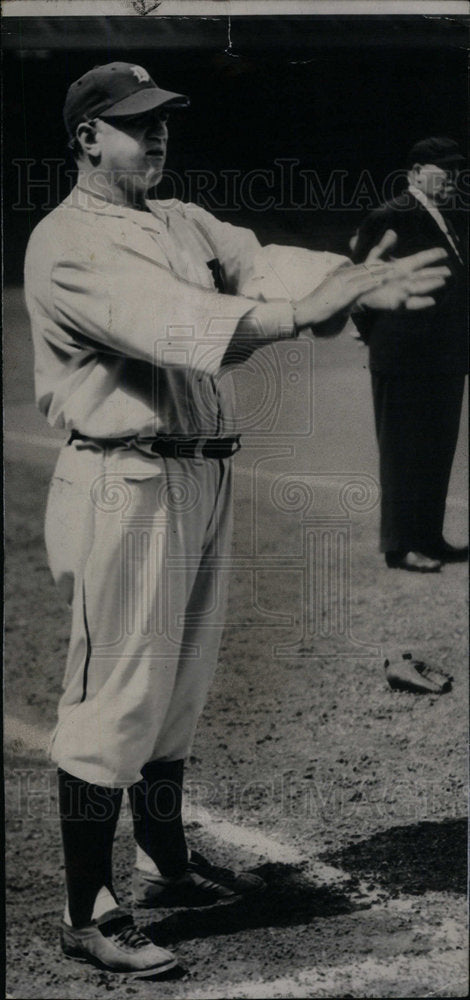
(154, 168)
(152, 180)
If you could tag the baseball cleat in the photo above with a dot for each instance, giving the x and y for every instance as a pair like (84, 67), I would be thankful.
(202, 884)
(409, 674)
(114, 943)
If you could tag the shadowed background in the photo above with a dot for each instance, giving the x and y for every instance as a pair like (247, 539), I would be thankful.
(333, 93)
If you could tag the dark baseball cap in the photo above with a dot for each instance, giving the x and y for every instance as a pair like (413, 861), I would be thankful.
(116, 89)
(437, 149)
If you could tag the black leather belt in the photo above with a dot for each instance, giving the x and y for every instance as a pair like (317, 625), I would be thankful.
(170, 447)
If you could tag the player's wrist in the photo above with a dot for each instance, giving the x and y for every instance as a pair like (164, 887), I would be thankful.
(303, 321)
(301, 317)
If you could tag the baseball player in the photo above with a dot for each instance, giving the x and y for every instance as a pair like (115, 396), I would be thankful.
(137, 308)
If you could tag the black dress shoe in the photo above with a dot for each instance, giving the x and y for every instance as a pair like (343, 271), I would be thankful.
(414, 562)
(447, 553)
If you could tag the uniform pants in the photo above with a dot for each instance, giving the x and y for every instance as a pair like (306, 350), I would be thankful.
(417, 424)
(140, 547)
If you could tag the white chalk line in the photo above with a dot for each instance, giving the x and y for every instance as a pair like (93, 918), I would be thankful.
(263, 475)
(253, 841)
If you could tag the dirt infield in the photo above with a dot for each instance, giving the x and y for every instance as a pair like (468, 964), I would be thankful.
(349, 798)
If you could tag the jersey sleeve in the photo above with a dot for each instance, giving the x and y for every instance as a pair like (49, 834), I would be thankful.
(289, 272)
(117, 301)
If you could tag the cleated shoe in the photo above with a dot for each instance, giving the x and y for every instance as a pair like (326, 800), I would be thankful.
(202, 884)
(114, 943)
(409, 674)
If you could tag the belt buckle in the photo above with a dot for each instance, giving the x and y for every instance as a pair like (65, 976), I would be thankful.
(199, 447)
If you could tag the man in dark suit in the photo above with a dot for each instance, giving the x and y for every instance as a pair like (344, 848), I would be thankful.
(418, 362)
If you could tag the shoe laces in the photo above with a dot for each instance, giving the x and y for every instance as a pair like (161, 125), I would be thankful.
(124, 932)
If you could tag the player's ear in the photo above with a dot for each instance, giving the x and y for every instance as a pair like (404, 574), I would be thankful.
(87, 137)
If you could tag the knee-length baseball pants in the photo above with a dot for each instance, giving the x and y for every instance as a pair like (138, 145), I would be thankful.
(140, 548)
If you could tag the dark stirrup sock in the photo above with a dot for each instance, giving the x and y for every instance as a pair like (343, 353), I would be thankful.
(156, 809)
(88, 816)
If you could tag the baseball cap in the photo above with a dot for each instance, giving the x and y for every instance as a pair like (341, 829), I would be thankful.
(115, 89)
(437, 149)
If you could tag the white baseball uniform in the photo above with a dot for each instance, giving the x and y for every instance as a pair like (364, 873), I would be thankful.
(130, 335)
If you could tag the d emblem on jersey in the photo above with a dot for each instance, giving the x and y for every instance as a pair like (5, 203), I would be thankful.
(217, 273)
(140, 74)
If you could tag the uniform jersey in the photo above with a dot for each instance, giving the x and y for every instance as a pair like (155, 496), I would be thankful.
(130, 329)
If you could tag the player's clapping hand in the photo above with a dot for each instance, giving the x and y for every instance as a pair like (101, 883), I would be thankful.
(409, 281)
(376, 284)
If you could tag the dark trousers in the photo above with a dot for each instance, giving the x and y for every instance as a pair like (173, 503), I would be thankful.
(417, 424)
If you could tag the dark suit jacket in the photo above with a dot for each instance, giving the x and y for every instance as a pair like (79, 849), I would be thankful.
(429, 341)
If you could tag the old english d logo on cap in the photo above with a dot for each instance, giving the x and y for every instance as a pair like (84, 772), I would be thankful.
(114, 90)
(140, 74)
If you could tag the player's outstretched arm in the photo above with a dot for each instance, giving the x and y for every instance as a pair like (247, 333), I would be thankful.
(376, 284)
